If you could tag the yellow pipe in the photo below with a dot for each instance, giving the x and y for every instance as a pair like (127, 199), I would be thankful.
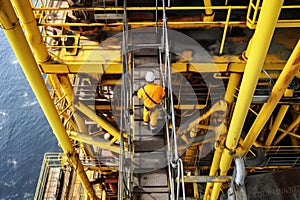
(68, 90)
(276, 125)
(15, 35)
(33, 34)
(195, 186)
(36, 41)
(66, 9)
(100, 120)
(234, 80)
(225, 31)
(213, 170)
(286, 76)
(293, 134)
(259, 48)
(209, 13)
(93, 140)
(103, 195)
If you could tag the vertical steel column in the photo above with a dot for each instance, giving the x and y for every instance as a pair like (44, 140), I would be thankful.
(259, 48)
(14, 33)
(234, 80)
(284, 79)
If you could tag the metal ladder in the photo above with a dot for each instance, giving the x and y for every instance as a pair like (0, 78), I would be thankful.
(149, 164)
(150, 155)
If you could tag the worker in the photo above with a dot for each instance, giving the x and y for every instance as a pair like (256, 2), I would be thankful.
(152, 94)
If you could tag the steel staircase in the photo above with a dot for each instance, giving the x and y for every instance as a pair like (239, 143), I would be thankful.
(149, 164)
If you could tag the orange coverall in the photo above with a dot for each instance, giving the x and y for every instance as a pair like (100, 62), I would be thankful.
(156, 92)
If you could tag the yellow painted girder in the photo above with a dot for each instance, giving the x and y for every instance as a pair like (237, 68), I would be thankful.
(48, 68)
(286, 76)
(93, 140)
(259, 48)
(14, 33)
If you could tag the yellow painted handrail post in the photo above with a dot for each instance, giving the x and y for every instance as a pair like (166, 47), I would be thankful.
(261, 42)
(209, 14)
(14, 33)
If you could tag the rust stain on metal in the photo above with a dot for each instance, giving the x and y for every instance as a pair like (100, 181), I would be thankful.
(297, 60)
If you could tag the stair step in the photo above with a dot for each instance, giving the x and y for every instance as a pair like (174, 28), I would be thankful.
(149, 144)
(144, 37)
(157, 178)
(148, 190)
(149, 161)
(106, 16)
(146, 52)
(152, 196)
(133, 46)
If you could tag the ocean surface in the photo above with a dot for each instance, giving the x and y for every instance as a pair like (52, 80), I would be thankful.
(25, 135)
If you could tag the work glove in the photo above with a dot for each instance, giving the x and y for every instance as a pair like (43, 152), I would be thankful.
(134, 93)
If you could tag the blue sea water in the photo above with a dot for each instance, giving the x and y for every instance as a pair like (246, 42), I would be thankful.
(25, 134)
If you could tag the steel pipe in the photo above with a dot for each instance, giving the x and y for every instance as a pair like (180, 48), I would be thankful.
(286, 76)
(276, 124)
(33, 35)
(259, 48)
(14, 33)
(289, 129)
(209, 13)
(234, 80)
(100, 120)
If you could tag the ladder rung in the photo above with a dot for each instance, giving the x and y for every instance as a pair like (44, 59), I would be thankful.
(108, 16)
(144, 45)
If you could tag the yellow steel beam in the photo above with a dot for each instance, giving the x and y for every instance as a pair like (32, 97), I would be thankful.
(195, 187)
(220, 65)
(286, 76)
(229, 98)
(206, 179)
(93, 140)
(14, 33)
(103, 194)
(33, 34)
(178, 8)
(293, 134)
(100, 120)
(276, 125)
(220, 105)
(289, 129)
(117, 26)
(67, 89)
(260, 45)
(36, 41)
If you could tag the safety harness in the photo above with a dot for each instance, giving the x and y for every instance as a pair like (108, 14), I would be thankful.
(150, 109)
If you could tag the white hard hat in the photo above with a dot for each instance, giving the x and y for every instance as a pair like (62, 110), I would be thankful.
(150, 76)
(106, 136)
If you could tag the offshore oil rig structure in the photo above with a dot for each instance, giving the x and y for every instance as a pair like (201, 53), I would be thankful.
(228, 124)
